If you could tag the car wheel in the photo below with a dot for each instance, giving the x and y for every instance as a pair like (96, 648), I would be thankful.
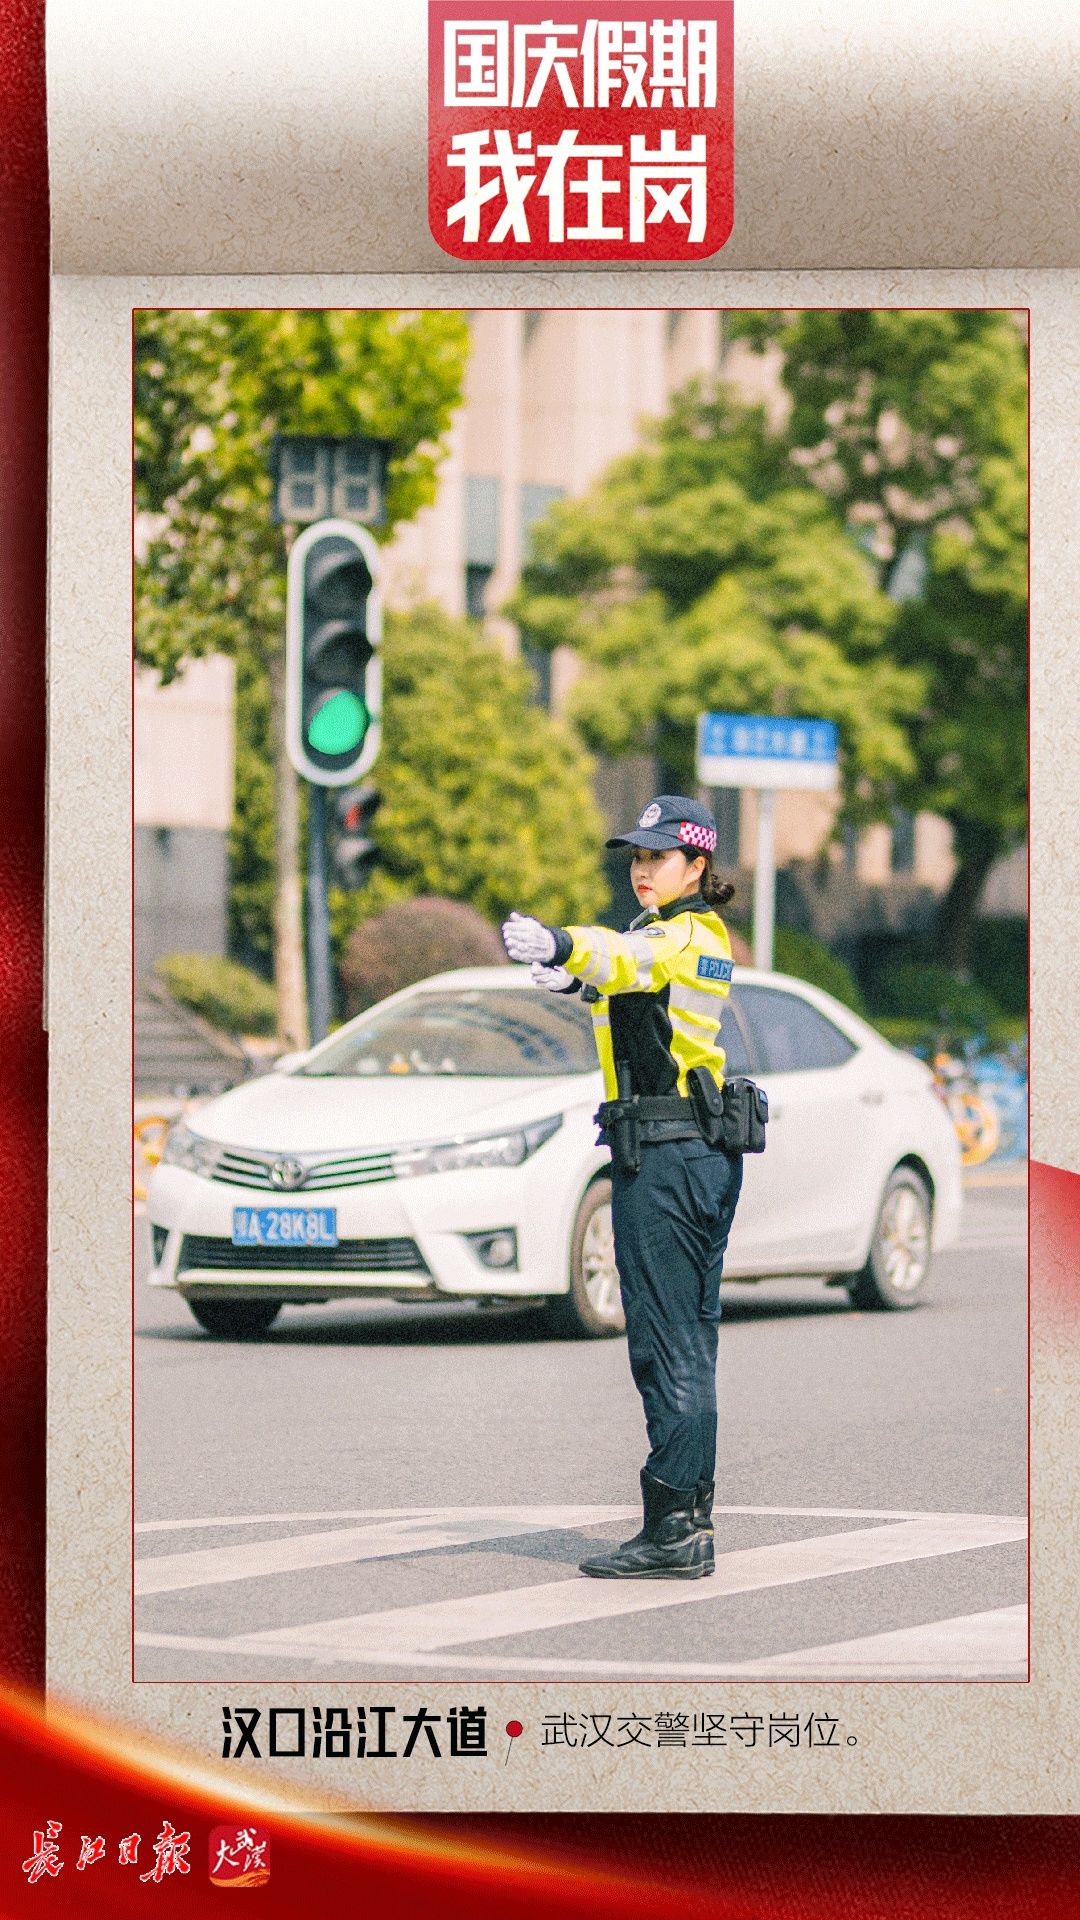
(899, 1260)
(592, 1309)
(235, 1319)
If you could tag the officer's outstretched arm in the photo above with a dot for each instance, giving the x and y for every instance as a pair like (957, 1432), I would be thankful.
(622, 962)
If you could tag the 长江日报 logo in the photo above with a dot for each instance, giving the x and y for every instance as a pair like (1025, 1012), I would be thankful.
(601, 130)
(239, 1856)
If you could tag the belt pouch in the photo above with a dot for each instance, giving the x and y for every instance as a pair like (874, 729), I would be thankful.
(708, 1104)
(746, 1115)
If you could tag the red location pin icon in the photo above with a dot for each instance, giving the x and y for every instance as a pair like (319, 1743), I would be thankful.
(513, 1728)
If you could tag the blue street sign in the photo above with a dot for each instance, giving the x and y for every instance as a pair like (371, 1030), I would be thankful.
(756, 750)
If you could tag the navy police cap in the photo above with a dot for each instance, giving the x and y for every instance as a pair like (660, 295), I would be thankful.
(671, 820)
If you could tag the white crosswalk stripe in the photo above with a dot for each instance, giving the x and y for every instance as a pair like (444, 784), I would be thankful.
(451, 1633)
(414, 1533)
(963, 1648)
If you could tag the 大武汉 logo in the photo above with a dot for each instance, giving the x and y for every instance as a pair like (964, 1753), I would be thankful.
(287, 1175)
(239, 1856)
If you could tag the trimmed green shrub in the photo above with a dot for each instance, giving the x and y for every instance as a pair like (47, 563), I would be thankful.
(231, 998)
(1006, 1031)
(409, 941)
(999, 962)
(914, 991)
(809, 959)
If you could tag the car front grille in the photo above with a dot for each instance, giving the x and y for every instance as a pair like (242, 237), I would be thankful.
(349, 1256)
(236, 1169)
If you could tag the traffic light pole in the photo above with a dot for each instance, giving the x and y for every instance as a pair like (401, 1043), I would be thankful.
(318, 915)
(333, 702)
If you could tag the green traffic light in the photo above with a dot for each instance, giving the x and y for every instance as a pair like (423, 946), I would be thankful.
(338, 724)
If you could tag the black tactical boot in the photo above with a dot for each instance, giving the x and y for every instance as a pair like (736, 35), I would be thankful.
(703, 1500)
(670, 1545)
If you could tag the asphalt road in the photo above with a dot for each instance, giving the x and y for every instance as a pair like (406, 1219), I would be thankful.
(402, 1491)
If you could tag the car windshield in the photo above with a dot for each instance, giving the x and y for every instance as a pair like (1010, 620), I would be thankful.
(474, 1032)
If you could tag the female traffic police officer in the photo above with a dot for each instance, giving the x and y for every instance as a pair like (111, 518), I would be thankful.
(656, 994)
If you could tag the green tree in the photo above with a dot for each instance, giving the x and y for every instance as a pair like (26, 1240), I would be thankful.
(486, 797)
(698, 572)
(915, 425)
(211, 390)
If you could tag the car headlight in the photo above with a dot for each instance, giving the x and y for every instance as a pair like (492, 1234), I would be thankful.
(186, 1149)
(490, 1150)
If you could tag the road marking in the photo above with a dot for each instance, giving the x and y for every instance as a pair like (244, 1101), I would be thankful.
(397, 1634)
(445, 1513)
(272, 1519)
(968, 1647)
(414, 1533)
(978, 1646)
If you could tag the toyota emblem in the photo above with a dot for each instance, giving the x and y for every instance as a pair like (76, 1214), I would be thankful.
(287, 1175)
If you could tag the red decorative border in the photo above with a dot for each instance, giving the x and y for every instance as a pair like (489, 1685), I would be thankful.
(93, 1780)
(24, 291)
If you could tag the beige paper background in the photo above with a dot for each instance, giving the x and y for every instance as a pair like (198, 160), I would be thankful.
(264, 137)
(982, 1748)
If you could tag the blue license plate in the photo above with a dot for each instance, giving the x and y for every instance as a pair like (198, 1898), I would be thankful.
(284, 1227)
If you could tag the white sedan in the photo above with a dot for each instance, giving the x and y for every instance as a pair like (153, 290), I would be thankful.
(441, 1146)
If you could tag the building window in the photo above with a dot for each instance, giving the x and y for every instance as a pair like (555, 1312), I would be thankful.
(538, 661)
(481, 539)
(903, 840)
(535, 501)
(476, 579)
(481, 520)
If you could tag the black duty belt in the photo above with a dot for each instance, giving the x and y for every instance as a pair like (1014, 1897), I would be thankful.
(652, 1110)
(628, 1125)
(732, 1117)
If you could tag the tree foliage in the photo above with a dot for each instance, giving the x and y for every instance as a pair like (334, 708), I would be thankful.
(701, 573)
(915, 425)
(211, 390)
(486, 798)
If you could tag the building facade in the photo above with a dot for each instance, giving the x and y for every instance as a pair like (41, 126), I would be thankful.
(183, 801)
(551, 398)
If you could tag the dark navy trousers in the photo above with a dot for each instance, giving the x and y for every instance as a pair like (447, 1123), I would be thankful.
(671, 1223)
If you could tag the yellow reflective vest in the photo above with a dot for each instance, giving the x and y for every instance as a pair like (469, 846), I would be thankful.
(656, 993)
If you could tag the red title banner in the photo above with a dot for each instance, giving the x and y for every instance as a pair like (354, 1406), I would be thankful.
(580, 132)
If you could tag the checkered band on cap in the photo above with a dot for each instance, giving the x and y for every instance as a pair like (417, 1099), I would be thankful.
(696, 836)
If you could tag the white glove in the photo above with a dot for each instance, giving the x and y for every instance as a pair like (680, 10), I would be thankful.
(555, 979)
(526, 939)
